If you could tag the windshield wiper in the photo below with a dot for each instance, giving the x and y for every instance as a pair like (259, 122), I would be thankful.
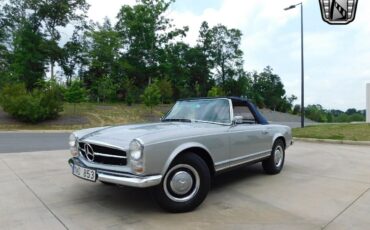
(176, 119)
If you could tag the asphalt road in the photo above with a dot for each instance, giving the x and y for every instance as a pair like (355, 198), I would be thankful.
(322, 186)
(13, 142)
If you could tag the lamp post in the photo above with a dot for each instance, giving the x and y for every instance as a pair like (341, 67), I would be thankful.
(302, 62)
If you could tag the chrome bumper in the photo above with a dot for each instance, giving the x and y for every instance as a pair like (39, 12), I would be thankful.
(121, 178)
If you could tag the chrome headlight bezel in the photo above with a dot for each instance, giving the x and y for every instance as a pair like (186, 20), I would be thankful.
(136, 150)
(73, 145)
(136, 156)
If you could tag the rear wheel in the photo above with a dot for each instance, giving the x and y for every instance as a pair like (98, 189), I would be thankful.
(185, 185)
(275, 163)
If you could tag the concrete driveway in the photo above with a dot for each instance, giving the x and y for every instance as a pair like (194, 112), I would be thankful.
(322, 186)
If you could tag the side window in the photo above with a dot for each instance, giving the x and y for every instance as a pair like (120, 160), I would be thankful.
(244, 111)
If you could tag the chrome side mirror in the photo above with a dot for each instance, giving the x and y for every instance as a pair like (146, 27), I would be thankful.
(238, 120)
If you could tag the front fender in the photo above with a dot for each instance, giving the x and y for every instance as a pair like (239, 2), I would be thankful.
(286, 135)
(179, 150)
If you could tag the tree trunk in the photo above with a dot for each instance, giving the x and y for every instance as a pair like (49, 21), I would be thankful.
(52, 70)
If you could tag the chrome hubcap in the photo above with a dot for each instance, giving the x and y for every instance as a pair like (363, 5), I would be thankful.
(181, 182)
(278, 156)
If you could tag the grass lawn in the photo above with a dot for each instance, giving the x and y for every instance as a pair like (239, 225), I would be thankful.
(86, 115)
(353, 132)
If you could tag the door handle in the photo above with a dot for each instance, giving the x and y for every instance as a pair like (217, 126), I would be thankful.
(264, 132)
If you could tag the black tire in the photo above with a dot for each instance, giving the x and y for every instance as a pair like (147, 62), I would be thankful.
(273, 164)
(194, 190)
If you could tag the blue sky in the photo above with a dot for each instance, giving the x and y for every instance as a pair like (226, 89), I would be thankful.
(337, 58)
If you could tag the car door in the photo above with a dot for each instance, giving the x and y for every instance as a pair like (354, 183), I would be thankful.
(248, 140)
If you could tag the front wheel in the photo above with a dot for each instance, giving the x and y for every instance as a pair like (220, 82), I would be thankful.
(185, 185)
(274, 164)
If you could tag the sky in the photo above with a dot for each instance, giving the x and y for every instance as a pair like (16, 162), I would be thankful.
(337, 57)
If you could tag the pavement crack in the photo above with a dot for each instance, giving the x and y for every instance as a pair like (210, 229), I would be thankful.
(35, 194)
(346, 208)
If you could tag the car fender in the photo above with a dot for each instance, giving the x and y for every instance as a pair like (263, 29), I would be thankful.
(179, 150)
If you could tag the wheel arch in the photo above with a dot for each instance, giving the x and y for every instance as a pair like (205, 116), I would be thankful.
(195, 148)
(279, 137)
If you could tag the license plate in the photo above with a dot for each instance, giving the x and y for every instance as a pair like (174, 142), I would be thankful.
(88, 174)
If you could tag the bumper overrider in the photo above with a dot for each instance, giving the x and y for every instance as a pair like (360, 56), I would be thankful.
(120, 178)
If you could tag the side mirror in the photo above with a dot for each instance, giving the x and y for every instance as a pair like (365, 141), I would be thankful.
(238, 120)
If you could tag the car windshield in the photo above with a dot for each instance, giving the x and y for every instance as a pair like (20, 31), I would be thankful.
(203, 110)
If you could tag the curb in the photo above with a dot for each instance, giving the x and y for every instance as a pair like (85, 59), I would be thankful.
(346, 142)
(36, 131)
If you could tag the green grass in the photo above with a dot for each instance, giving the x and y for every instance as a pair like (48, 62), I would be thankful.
(97, 114)
(353, 132)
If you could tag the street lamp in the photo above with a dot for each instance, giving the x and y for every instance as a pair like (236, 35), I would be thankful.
(302, 62)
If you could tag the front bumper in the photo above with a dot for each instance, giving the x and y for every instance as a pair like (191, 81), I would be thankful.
(120, 178)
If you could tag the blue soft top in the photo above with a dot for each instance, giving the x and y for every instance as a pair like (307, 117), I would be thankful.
(257, 114)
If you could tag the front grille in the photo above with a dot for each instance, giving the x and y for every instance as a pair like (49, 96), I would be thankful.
(104, 155)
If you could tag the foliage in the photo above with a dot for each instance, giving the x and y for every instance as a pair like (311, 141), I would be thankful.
(215, 91)
(116, 61)
(105, 88)
(35, 106)
(28, 58)
(75, 93)
(222, 46)
(145, 31)
(319, 114)
(165, 89)
(151, 96)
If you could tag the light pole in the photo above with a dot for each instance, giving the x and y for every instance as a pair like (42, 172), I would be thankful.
(302, 62)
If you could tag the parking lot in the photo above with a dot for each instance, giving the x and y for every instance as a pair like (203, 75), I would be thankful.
(322, 186)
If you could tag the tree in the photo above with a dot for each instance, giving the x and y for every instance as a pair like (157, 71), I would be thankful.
(4, 55)
(102, 47)
(216, 91)
(73, 58)
(146, 31)
(165, 88)
(29, 58)
(315, 113)
(105, 88)
(75, 94)
(222, 46)
(151, 96)
(54, 14)
(268, 87)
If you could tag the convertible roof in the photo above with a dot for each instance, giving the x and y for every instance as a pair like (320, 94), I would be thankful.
(238, 101)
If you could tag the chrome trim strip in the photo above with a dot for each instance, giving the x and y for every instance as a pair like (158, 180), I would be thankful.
(108, 155)
(241, 160)
(104, 144)
(139, 182)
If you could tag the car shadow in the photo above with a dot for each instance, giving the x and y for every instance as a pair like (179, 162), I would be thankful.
(136, 200)
(237, 176)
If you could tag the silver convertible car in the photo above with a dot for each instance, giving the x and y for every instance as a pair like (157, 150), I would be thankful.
(179, 155)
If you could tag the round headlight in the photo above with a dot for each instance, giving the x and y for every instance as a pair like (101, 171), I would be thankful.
(136, 150)
(72, 140)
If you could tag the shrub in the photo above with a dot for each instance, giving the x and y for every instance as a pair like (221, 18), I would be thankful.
(75, 93)
(35, 106)
(151, 96)
(165, 88)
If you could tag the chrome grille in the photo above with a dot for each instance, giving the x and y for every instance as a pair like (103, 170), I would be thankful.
(104, 155)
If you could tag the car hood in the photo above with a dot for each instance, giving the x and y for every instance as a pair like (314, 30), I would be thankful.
(122, 135)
